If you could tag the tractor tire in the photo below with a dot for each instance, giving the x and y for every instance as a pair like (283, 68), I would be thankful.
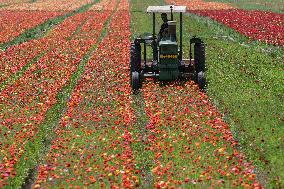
(135, 82)
(135, 58)
(141, 78)
(201, 80)
(199, 57)
(199, 63)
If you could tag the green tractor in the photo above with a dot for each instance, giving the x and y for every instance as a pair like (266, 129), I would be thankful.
(167, 63)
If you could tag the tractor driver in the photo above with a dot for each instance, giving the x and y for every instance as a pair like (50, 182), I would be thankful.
(164, 27)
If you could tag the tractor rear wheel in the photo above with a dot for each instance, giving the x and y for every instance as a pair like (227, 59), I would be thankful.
(199, 57)
(135, 82)
(199, 63)
(135, 57)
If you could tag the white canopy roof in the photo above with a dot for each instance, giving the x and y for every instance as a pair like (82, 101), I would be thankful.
(166, 9)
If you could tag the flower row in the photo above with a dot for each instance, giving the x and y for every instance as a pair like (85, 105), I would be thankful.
(16, 57)
(14, 23)
(200, 4)
(257, 25)
(48, 5)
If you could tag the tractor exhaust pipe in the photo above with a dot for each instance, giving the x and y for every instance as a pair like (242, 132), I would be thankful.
(172, 16)
(172, 30)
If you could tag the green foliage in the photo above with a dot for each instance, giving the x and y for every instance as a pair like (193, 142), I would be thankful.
(141, 6)
(3, 6)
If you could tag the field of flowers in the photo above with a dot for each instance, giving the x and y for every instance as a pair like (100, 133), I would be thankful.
(258, 25)
(98, 120)
(200, 4)
(50, 5)
(68, 118)
(9, 2)
(14, 23)
(185, 127)
(24, 102)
